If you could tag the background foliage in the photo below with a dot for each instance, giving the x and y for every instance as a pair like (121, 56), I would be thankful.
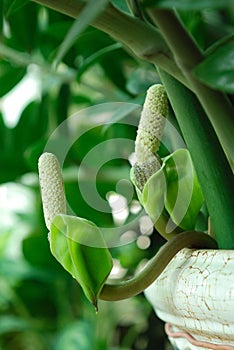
(41, 306)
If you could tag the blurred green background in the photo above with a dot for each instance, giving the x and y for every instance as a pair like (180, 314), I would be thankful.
(41, 306)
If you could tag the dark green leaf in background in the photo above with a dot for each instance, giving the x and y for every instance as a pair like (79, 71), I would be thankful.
(24, 31)
(2, 133)
(78, 335)
(15, 271)
(141, 79)
(10, 76)
(188, 4)
(31, 126)
(94, 58)
(12, 324)
(14, 5)
(90, 12)
(217, 70)
(1, 18)
(34, 256)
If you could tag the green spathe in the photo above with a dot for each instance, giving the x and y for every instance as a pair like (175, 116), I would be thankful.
(80, 248)
(174, 187)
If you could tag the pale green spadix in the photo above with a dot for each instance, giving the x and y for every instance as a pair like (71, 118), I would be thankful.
(166, 187)
(149, 134)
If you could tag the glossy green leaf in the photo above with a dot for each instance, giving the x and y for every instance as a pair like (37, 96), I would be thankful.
(174, 186)
(89, 13)
(217, 70)
(79, 246)
(188, 4)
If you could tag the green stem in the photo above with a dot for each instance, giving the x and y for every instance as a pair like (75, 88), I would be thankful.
(212, 167)
(141, 38)
(166, 227)
(156, 265)
(187, 55)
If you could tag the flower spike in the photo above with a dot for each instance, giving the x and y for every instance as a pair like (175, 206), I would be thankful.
(52, 189)
(149, 134)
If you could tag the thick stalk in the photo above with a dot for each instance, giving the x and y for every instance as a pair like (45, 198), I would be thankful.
(156, 265)
(142, 39)
(187, 55)
(210, 162)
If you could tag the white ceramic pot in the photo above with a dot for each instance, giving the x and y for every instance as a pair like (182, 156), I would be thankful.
(195, 297)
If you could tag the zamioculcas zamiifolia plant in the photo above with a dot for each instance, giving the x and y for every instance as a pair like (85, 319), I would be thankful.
(78, 244)
(154, 31)
(174, 59)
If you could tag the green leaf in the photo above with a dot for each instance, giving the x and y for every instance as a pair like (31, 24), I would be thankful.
(217, 70)
(113, 66)
(12, 324)
(124, 110)
(15, 5)
(89, 13)
(11, 165)
(23, 28)
(31, 126)
(121, 5)
(17, 270)
(10, 76)
(33, 152)
(79, 246)
(95, 57)
(78, 335)
(1, 16)
(34, 257)
(2, 132)
(184, 196)
(141, 79)
(188, 4)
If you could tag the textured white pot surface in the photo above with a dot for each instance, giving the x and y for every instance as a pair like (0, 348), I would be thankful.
(195, 295)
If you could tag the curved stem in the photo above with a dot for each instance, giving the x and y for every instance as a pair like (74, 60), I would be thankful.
(165, 226)
(156, 265)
